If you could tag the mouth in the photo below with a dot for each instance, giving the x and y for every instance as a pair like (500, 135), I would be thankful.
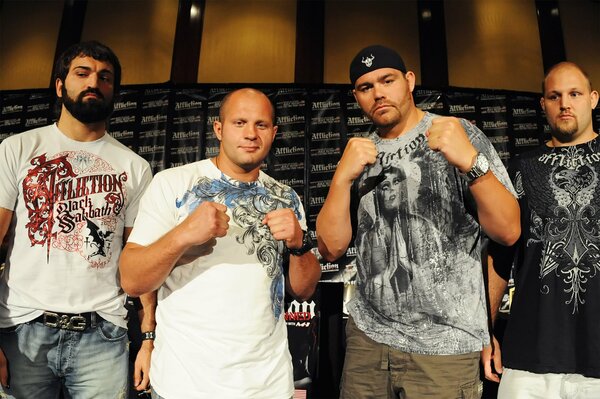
(566, 116)
(249, 148)
(380, 108)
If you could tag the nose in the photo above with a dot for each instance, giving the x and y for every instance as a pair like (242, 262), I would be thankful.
(378, 92)
(250, 132)
(92, 80)
(565, 102)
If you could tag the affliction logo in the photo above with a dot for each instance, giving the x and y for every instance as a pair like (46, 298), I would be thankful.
(73, 201)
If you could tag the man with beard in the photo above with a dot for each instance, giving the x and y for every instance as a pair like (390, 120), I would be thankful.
(424, 339)
(69, 194)
(550, 347)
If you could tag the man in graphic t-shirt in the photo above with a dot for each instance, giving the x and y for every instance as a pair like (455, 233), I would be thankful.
(69, 193)
(213, 236)
(550, 346)
(426, 186)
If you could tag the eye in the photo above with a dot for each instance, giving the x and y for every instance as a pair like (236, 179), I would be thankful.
(238, 123)
(575, 94)
(553, 97)
(364, 89)
(389, 81)
(262, 126)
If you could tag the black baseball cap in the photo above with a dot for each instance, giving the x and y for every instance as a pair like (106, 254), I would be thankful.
(372, 58)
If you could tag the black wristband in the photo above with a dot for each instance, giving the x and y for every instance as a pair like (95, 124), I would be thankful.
(148, 335)
(307, 245)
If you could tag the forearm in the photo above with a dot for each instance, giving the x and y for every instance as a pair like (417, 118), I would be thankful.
(334, 227)
(496, 289)
(148, 317)
(304, 274)
(143, 269)
(497, 209)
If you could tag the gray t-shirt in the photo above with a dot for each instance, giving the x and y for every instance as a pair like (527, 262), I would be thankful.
(420, 283)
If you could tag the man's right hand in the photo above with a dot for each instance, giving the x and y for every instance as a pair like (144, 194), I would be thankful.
(359, 153)
(208, 221)
(491, 355)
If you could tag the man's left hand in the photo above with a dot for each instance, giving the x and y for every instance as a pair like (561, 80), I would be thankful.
(284, 226)
(141, 372)
(447, 136)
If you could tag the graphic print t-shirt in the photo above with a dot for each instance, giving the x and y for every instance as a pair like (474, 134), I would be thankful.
(220, 328)
(554, 323)
(71, 201)
(419, 282)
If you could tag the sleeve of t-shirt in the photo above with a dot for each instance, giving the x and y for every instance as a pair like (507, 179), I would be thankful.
(503, 256)
(142, 179)
(9, 189)
(483, 144)
(299, 210)
(157, 213)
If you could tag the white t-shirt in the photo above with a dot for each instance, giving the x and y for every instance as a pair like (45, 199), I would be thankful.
(71, 202)
(220, 328)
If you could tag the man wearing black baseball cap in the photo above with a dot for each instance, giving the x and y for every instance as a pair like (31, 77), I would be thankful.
(420, 333)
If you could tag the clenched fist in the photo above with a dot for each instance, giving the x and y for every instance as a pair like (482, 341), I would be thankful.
(284, 226)
(359, 153)
(208, 221)
(447, 136)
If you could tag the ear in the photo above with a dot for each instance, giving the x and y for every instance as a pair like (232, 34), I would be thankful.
(354, 94)
(411, 78)
(543, 104)
(594, 97)
(58, 84)
(274, 134)
(217, 126)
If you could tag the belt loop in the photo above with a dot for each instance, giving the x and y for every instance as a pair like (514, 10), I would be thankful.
(93, 320)
(385, 354)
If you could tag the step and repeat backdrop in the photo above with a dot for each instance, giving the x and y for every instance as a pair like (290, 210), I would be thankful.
(171, 125)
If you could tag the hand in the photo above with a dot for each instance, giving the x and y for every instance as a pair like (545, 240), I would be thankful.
(141, 372)
(208, 221)
(447, 136)
(3, 370)
(284, 226)
(359, 153)
(489, 354)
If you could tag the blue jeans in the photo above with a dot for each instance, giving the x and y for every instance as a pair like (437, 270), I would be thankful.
(42, 361)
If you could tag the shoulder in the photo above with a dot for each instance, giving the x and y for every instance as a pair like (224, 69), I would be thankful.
(28, 135)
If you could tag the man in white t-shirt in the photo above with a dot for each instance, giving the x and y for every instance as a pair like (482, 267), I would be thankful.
(69, 193)
(213, 237)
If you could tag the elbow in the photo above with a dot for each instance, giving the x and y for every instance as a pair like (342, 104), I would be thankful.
(329, 253)
(130, 287)
(508, 236)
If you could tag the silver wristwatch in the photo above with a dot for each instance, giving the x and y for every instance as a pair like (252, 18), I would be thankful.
(480, 167)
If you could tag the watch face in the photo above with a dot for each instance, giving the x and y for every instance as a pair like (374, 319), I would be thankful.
(480, 167)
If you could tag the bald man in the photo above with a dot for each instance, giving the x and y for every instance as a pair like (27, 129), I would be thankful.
(212, 237)
(550, 347)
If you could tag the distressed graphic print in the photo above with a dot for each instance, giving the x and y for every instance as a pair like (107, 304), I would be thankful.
(73, 201)
(249, 203)
(571, 235)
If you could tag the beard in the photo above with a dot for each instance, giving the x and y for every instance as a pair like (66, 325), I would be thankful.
(90, 111)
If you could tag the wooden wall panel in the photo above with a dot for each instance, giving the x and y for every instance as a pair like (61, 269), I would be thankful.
(493, 44)
(353, 25)
(140, 32)
(249, 41)
(28, 35)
